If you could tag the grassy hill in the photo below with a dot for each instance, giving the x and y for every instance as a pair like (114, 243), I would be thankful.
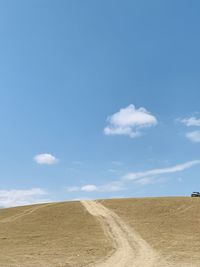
(65, 234)
(170, 225)
(54, 235)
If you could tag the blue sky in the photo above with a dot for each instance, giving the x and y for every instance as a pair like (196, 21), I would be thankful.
(98, 99)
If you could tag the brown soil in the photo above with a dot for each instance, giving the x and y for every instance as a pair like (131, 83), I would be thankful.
(118, 232)
(170, 225)
(52, 235)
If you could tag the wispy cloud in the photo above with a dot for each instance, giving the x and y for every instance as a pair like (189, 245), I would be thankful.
(143, 178)
(11, 198)
(136, 176)
(129, 121)
(45, 159)
(89, 188)
(190, 121)
(150, 180)
(193, 136)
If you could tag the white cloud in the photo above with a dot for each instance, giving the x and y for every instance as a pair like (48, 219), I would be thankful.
(82, 198)
(110, 187)
(194, 136)
(89, 188)
(84, 188)
(135, 176)
(11, 198)
(129, 121)
(150, 180)
(45, 159)
(191, 121)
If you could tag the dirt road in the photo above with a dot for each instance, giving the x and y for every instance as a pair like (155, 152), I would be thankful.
(129, 249)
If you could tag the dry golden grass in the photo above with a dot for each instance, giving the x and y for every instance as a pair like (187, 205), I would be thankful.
(170, 225)
(55, 235)
(65, 234)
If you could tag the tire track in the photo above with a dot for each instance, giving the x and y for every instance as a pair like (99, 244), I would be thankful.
(130, 250)
(22, 214)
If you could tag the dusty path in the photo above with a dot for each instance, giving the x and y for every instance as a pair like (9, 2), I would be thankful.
(130, 250)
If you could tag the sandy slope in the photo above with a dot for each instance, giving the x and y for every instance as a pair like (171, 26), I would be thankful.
(22, 214)
(115, 232)
(170, 225)
(50, 235)
(130, 249)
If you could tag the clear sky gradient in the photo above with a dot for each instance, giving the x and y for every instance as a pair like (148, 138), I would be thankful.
(67, 68)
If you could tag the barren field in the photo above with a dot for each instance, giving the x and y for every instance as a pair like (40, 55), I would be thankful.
(149, 232)
(52, 235)
(170, 225)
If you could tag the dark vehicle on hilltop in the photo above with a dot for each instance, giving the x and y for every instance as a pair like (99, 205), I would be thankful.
(195, 194)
